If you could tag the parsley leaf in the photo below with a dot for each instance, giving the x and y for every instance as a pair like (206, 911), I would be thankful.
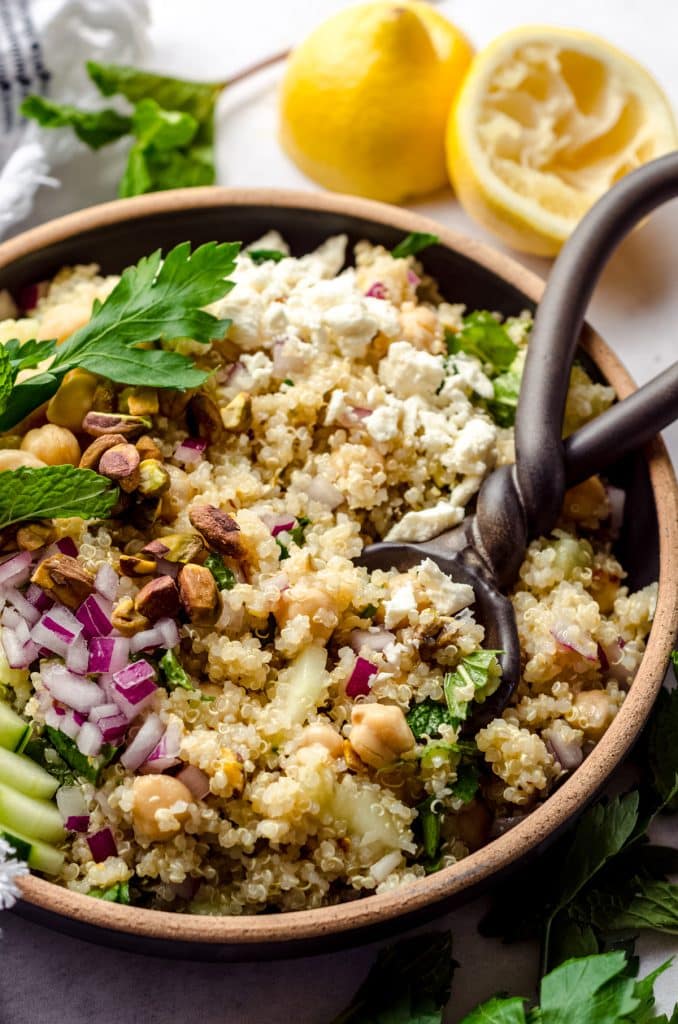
(426, 718)
(595, 989)
(118, 893)
(482, 336)
(475, 678)
(54, 492)
(297, 532)
(429, 823)
(194, 98)
(663, 748)
(498, 1011)
(502, 408)
(88, 768)
(262, 255)
(409, 984)
(467, 783)
(6, 377)
(225, 579)
(413, 243)
(96, 128)
(174, 673)
(154, 300)
(28, 354)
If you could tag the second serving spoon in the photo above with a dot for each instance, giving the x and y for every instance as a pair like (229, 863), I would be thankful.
(522, 501)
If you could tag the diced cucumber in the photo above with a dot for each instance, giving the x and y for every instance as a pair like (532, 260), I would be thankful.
(14, 731)
(37, 855)
(36, 818)
(18, 772)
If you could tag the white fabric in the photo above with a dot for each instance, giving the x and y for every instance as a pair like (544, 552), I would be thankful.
(43, 47)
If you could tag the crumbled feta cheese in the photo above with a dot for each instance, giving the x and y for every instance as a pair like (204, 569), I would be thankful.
(398, 609)
(468, 370)
(352, 327)
(383, 423)
(260, 369)
(474, 448)
(446, 596)
(407, 371)
(337, 409)
(427, 523)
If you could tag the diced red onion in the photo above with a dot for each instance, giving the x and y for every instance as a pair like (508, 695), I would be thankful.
(36, 596)
(323, 491)
(77, 823)
(583, 645)
(95, 616)
(190, 451)
(108, 653)
(413, 278)
(280, 524)
(359, 680)
(102, 845)
(377, 291)
(30, 295)
(374, 640)
(71, 802)
(361, 412)
(280, 581)
(135, 683)
(229, 372)
(10, 618)
(89, 740)
(67, 722)
(106, 582)
(56, 630)
(195, 780)
(110, 720)
(77, 656)
(16, 569)
(63, 546)
(616, 498)
(74, 691)
(78, 718)
(166, 753)
(616, 668)
(27, 611)
(169, 632)
(19, 653)
(146, 640)
(145, 741)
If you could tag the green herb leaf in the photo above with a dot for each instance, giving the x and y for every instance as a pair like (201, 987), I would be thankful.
(263, 255)
(413, 243)
(594, 989)
(27, 396)
(485, 338)
(478, 673)
(164, 129)
(174, 673)
(83, 767)
(368, 612)
(7, 376)
(503, 407)
(499, 1010)
(426, 718)
(28, 354)
(409, 984)
(467, 782)
(663, 747)
(298, 531)
(194, 98)
(646, 904)
(54, 492)
(429, 821)
(96, 128)
(118, 893)
(225, 579)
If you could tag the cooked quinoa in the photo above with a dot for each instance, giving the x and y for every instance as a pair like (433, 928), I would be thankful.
(341, 418)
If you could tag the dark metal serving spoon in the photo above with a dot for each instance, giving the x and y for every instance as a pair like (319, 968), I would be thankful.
(522, 501)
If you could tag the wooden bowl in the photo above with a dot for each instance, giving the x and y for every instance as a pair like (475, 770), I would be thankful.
(117, 234)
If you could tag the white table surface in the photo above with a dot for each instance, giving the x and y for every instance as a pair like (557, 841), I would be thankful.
(48, 979)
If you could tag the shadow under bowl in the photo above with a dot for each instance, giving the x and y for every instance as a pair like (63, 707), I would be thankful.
(117, 234)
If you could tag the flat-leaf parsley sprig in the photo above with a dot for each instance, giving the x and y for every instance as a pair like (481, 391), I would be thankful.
(157, 300)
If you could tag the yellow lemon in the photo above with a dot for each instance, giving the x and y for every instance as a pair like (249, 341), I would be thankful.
(546, 121)
(365, 99)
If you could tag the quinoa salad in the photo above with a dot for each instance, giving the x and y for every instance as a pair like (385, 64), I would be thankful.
(205, 704)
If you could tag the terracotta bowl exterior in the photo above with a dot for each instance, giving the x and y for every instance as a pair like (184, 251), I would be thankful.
(118, 233)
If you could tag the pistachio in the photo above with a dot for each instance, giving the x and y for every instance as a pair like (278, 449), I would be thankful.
(176, 547)
(64, 577)
(199, 595)
(153, 477)
(121, 463)
(137, 565)
(203, 418)
(32, 536)
(126, 619)
(158, 599)
(237, 415)
(148, 449)
(73, 400)
(173, 403)
(96, 424)
(139, 401)
(221, 532)
(104, 396)
(91, 455)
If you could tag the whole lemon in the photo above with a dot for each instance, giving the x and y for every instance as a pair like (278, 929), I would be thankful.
(365, 99)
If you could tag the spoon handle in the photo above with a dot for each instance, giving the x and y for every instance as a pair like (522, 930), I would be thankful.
(540, 463)
(624, 427)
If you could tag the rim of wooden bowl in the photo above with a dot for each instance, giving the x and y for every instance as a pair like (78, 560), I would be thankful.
(550, 816)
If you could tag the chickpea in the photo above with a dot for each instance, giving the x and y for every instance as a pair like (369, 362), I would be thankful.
(310, 600)
(74, 399)
(593, 712)
(11, 458)
(380, 733)
(587, 503)
(153, 793)
(56, 446)
(324, 736)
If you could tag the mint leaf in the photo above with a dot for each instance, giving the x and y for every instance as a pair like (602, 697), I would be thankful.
(263, 255)
(151, 170)
(408, 984)
(413, 243)
(503, 406)
(225, 579)
(426, 718)
(499, 1010)
(164, 129)
(299, 529)
(54, 492)
(485, 338)
(174, 673)
(96, 128)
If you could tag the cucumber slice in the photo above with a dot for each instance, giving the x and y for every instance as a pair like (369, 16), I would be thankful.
(39, 856)
(18, 772)
(35, 818)
(14, 731)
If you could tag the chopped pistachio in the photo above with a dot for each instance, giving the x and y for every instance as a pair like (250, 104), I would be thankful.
(199, 594)
(92, 454)
(153, 478)
(126, 619)
(65, 578)
(176, 547)
(139, 401)
(237, 415)
(96, 424)
(121, 463)
(158, 599)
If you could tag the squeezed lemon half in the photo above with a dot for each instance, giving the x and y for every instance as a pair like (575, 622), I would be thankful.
(546, 121)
